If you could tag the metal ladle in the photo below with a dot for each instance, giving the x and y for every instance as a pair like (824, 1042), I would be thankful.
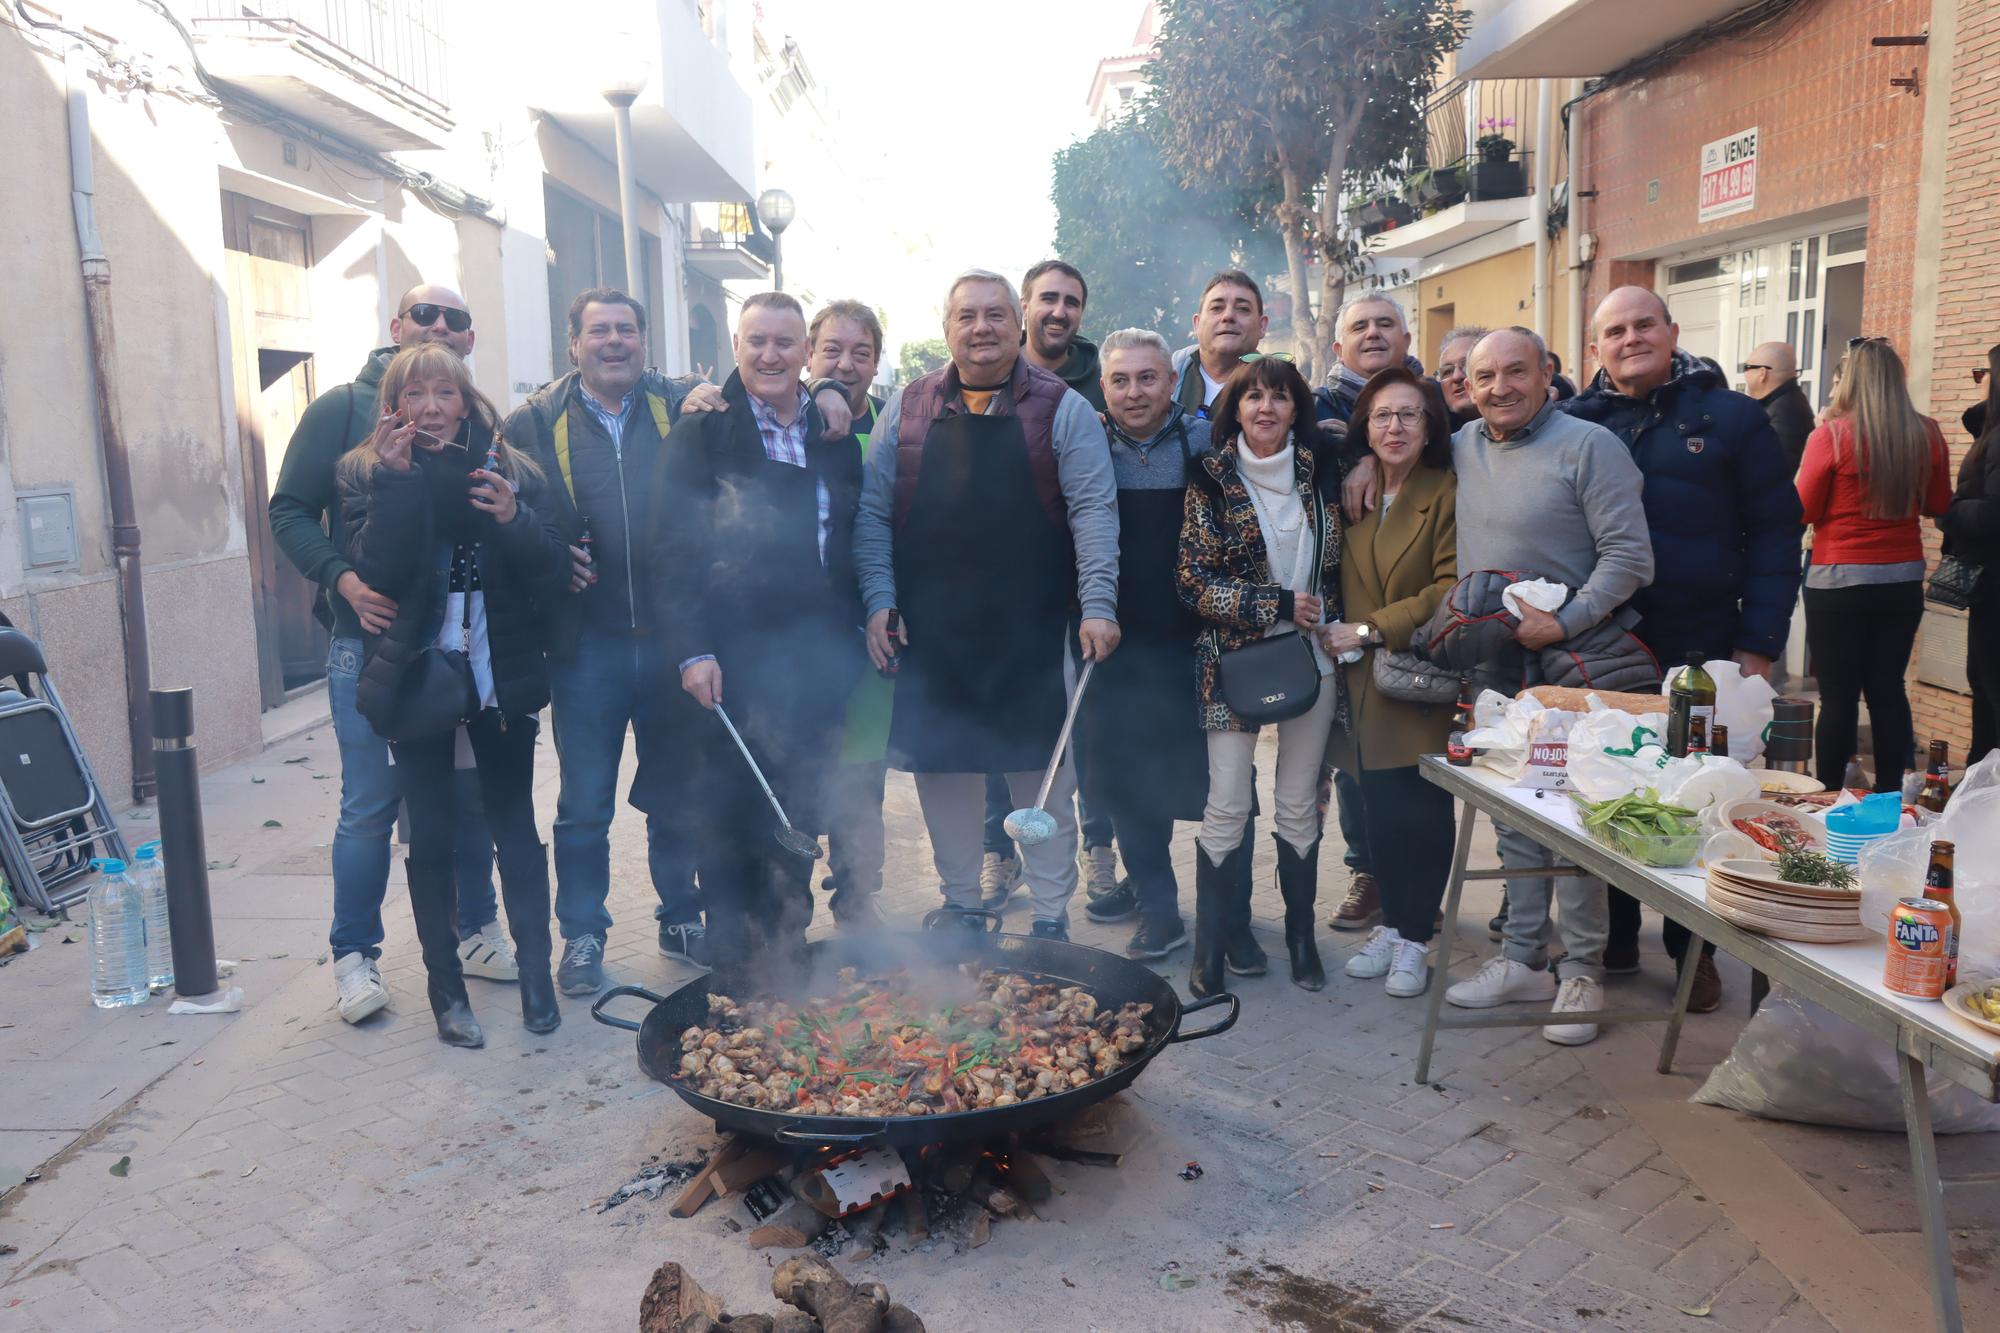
(1035, 825)
(789, 838)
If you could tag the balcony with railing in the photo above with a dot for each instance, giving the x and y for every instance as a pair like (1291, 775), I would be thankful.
(1476, 175)
(1518, 39)
(370, 70)
(728, 244)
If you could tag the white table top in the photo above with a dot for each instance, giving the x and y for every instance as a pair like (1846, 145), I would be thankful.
(1954, 1046)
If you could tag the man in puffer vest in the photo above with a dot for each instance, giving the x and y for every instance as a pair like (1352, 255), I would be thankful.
(988, 510)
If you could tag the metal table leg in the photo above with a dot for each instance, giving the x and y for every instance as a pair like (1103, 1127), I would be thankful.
(1691, 958)
(1930, 1195)
(1441, 969)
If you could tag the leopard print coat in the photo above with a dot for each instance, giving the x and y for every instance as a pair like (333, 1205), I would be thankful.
(1225, 577)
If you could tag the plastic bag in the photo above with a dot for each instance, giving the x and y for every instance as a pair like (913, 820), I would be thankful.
(1706, 782)
(1501, 731)
(1541, 594)
(1796, 1061)
(1893, 868)
(1612, 753)
(1743, 704)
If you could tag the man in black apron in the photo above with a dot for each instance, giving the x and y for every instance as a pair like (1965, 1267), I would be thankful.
(987, 513)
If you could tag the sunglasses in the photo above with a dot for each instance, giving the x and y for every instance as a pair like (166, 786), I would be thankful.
(426, 314)
(1746, 367)
(1859, 339)
(1979, 375)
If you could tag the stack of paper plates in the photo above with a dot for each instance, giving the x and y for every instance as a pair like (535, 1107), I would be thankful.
(1749, 894)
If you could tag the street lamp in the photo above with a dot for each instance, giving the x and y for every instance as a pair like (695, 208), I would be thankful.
(777, 210)
(621, 90)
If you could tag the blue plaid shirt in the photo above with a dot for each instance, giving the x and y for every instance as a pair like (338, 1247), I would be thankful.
(787, 444)
(613, 422)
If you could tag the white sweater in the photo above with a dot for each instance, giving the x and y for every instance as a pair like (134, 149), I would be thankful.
(1281, 513)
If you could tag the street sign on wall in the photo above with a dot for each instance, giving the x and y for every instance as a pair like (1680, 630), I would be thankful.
(1728, 176)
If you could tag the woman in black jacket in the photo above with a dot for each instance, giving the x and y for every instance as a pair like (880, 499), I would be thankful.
(1971, 529)
(452, 524)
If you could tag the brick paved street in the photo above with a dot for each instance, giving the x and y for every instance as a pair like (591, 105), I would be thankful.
(288, 1171)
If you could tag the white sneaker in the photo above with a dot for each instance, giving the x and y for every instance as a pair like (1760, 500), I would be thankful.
(1407, 974)
(489, 954)
(1100, 871)
(999, 876)
(1502, 981)
(1372, 959)
(1579, 995)
(361, 990)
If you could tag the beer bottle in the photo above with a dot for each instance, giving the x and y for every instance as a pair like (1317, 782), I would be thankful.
(1456, 751)
(1937, 779)
(1690, 694)
(1718, 739)
(1697, 735)
(1938, 886)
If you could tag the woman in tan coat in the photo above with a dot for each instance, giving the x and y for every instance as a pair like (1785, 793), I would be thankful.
(1399, 563)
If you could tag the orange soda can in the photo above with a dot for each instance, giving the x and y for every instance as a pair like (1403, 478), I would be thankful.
(1919, 939)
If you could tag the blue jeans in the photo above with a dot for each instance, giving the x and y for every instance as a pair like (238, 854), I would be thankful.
(611, 682)
(368, 801)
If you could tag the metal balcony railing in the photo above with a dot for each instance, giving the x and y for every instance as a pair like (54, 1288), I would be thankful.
(399, 43)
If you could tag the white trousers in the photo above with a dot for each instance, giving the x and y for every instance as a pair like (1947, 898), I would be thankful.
(954, 806)
(1231, 759)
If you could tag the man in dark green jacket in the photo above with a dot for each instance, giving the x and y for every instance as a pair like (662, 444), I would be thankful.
(305, 508)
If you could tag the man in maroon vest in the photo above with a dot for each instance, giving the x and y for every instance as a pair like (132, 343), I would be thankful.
(988, 511)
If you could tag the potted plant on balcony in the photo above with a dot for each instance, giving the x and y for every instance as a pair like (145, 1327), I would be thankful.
(1497, 173)
(1434, 189)
(1382, 211)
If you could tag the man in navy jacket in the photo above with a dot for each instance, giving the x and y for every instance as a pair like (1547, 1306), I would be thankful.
(1724, 518)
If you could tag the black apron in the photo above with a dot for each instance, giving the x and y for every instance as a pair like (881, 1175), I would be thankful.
(1140, 725)
(984, 580)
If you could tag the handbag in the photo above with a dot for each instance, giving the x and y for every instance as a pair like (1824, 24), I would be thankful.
(1955, 583)
(1276, 678)
(1407, 677)
(435, 693)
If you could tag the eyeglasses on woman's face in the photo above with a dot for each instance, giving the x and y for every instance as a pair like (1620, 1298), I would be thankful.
(1409, 418)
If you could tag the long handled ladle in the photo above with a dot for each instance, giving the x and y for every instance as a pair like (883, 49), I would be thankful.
(789, 838)
(1035, 825)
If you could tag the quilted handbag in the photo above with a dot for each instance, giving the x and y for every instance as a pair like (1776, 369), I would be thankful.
(1407, 677)
(1955, 583)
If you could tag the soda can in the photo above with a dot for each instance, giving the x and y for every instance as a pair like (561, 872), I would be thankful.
(1919, 933)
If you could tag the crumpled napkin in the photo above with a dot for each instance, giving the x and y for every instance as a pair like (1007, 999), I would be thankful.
(1538, 593)
(228, 1002)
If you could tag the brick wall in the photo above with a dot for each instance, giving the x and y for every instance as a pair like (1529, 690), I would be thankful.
(1968, 320)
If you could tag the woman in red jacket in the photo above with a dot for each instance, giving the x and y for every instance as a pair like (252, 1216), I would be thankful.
(1868, 473)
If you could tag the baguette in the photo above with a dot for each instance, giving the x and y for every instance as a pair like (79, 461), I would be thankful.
(1578, 701)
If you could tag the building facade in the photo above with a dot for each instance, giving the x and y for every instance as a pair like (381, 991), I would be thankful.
(268, 179)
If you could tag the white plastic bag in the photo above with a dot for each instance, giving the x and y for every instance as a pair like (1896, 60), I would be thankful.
(1796, 1061)
(1501, 731)
(1542, 594)
(1893, 868)
(1743, 704)
(1706, 782)
(1612, 753)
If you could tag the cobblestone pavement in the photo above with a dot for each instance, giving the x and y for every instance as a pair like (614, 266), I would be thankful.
(301, 1173)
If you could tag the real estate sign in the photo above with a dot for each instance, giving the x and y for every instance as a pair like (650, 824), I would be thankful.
(1728, 176)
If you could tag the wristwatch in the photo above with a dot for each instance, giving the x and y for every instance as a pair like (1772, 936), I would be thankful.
(1366, 632)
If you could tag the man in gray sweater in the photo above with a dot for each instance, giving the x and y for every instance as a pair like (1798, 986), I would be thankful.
(988, 509)
(1544, 492)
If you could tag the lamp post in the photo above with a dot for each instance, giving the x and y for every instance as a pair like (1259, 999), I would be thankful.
(621, 92)
(777, 210)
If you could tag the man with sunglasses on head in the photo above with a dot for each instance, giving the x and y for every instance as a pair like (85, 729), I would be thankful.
(304, 510)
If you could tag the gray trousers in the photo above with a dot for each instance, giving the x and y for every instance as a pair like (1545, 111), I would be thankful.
(1586, 912)
(954, 806)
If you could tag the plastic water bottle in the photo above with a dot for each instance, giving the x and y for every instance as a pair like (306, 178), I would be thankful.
(149, 872)
(117, 938)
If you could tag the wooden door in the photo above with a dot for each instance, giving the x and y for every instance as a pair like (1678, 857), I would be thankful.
(268, 265)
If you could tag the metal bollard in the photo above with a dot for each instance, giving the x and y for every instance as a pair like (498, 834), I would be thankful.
(182, 844)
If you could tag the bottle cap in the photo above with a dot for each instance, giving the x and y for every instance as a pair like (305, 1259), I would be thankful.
(109, 865)
(146, 851)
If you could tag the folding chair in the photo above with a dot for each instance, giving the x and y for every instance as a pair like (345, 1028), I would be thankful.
(54, 819)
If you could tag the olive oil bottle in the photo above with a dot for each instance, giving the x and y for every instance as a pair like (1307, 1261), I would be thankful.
(1690, 694)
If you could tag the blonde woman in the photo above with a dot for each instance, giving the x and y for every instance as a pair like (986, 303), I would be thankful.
(1870, 470)
(451, 524)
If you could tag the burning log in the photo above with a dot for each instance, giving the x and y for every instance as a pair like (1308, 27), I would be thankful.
(812, 1284)
(673, 1297)
(792, 1226)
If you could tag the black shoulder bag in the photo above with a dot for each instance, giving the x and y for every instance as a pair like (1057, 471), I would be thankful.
(1276, 678)
(436, 692)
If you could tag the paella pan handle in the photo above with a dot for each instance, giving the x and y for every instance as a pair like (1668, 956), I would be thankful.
(1235, 1008)
(812, 1139)
(597, 1010)
(939, 917)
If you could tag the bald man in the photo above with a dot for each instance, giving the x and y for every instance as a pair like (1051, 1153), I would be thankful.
(304, 509)
(1771, 376)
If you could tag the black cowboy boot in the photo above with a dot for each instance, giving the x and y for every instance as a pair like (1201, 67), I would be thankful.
(1214, 891)
(1298, 883)
(434, 905)
(526, 892)
(1246, 957)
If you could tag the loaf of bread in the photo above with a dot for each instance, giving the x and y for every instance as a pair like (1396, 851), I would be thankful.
(1578, 701)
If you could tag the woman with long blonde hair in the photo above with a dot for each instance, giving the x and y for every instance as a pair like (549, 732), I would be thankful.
(452, 524)
(1870, 471)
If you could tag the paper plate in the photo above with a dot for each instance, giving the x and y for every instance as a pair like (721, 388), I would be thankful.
(1812, 831)
(1777, 779)
(1782, 909)
(1956, 999)
(1756, 876)
(1759, 924)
